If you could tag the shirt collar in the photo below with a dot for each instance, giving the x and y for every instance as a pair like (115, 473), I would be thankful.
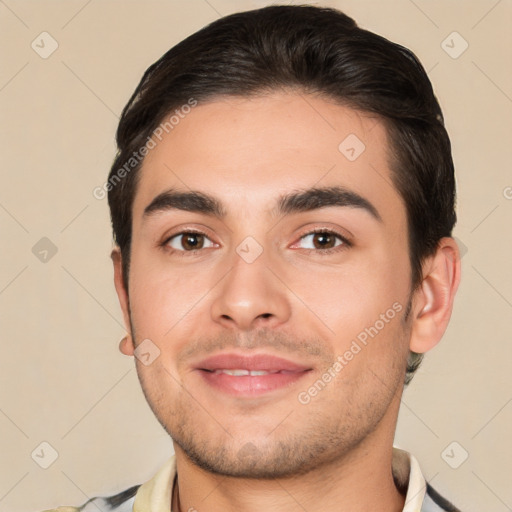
(407, 475)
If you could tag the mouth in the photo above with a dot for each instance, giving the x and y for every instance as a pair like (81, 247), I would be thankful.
(242, 375)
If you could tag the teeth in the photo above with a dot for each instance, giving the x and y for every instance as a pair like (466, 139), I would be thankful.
(241, 373)
(235, 373)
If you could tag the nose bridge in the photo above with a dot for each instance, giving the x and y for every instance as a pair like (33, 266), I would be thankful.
(250, 293)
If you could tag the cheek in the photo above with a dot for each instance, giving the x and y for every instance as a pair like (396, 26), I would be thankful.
(161, 387)
(362, 303)
(164, 299)
(354, 297)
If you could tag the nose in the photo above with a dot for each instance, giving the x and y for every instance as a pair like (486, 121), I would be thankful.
(250, 296)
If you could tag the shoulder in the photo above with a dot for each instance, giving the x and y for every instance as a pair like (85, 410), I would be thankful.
(121, 502)
(435, 502)
(63, 509)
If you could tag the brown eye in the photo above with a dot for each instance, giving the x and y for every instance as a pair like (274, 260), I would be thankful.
(189, 241)
(322, 240)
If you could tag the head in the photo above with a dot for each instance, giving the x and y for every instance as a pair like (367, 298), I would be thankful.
(260, 124)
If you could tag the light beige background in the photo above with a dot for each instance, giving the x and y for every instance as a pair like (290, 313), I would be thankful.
(62, 379)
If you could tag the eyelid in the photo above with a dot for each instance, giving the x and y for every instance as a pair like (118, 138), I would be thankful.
(185, 228)
(344, 237)
(346, 240)
(183, 231)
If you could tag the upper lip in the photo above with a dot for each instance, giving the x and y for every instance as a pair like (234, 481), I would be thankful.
(232, 361)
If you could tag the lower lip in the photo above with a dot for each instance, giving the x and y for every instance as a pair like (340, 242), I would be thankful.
(251, 385)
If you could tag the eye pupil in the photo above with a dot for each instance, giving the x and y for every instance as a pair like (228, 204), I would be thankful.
(322, 240)
(190, 241)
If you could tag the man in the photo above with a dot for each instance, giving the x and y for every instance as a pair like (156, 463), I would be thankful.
(282, 204)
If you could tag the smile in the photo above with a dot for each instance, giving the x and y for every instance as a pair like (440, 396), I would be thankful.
(243, 373)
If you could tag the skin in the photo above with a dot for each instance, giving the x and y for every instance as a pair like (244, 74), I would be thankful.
(271, 452)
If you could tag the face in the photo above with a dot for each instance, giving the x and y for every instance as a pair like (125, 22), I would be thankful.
(270, 272)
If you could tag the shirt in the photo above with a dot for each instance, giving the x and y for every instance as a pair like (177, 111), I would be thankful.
(155, 495)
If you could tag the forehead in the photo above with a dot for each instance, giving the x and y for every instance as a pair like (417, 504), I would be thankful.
(248, 151)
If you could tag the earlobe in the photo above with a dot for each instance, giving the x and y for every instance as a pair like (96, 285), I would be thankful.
(433, 300)
(126, 346)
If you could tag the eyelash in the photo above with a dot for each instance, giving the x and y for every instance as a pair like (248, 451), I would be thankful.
(178, 252)
(345, 242)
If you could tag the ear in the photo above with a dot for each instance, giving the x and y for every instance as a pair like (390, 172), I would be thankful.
(126, 346)
(433, 300)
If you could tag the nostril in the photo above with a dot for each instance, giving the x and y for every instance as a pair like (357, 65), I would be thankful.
(266, 315)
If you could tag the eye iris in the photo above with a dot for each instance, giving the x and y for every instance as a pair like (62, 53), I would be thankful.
(323, 240)
(190, 241)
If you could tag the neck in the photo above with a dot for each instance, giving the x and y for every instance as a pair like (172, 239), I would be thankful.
(360, 480)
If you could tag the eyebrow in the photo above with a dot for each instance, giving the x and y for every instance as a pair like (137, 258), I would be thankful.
(193, 201)
(293, 202)
(315, 198)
